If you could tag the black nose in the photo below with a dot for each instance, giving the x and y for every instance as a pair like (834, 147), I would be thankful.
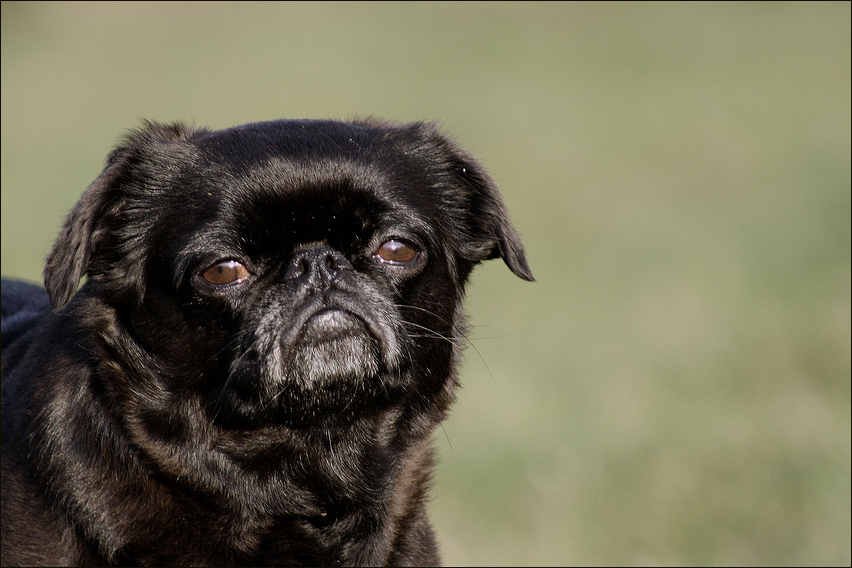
(317, 267)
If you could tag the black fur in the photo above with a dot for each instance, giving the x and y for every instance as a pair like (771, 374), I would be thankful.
(265, 341)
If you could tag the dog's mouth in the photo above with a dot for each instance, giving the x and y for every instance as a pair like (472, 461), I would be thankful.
(337, 354)
(329, 324)
(335, 343)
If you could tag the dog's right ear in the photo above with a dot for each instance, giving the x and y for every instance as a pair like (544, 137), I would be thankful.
(88, 240)
(69, 259)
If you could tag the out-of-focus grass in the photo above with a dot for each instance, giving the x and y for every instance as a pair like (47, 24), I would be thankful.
(675, 388)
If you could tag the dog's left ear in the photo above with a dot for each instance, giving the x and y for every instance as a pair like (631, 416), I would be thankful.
(493, 234)
(486, 228)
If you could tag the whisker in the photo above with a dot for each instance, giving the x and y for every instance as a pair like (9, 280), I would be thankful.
(457, 341)
(447, 436)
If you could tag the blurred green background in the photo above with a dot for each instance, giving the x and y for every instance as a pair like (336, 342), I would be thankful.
(675, 387)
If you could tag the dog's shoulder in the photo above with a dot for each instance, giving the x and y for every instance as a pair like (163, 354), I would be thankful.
(22, 304)
(43, 356)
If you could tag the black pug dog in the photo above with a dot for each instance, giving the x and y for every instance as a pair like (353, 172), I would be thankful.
(266, 339)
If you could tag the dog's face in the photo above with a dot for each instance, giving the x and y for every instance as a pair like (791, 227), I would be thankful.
(287, 271)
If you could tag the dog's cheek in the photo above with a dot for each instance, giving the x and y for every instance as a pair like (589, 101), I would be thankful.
(435, 320)
(434, 298)
(185, 344)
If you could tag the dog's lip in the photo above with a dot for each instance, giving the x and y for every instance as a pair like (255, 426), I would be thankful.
(331, 312)
(323, 320)
(331, 322)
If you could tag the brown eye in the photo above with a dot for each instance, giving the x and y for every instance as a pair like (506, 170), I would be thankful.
(225, 272)
(397, 252)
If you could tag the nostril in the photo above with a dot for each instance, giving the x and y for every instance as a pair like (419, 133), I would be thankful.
(317, 266)
(298, 267)
(336, 261)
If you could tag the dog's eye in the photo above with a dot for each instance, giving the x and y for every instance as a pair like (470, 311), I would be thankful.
(397, 252)
(225, 272)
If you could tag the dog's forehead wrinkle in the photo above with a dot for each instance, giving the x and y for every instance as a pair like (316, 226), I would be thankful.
(318, 172)
(292, 191)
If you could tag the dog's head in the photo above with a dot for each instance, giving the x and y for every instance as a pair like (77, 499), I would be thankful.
(287, 270)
